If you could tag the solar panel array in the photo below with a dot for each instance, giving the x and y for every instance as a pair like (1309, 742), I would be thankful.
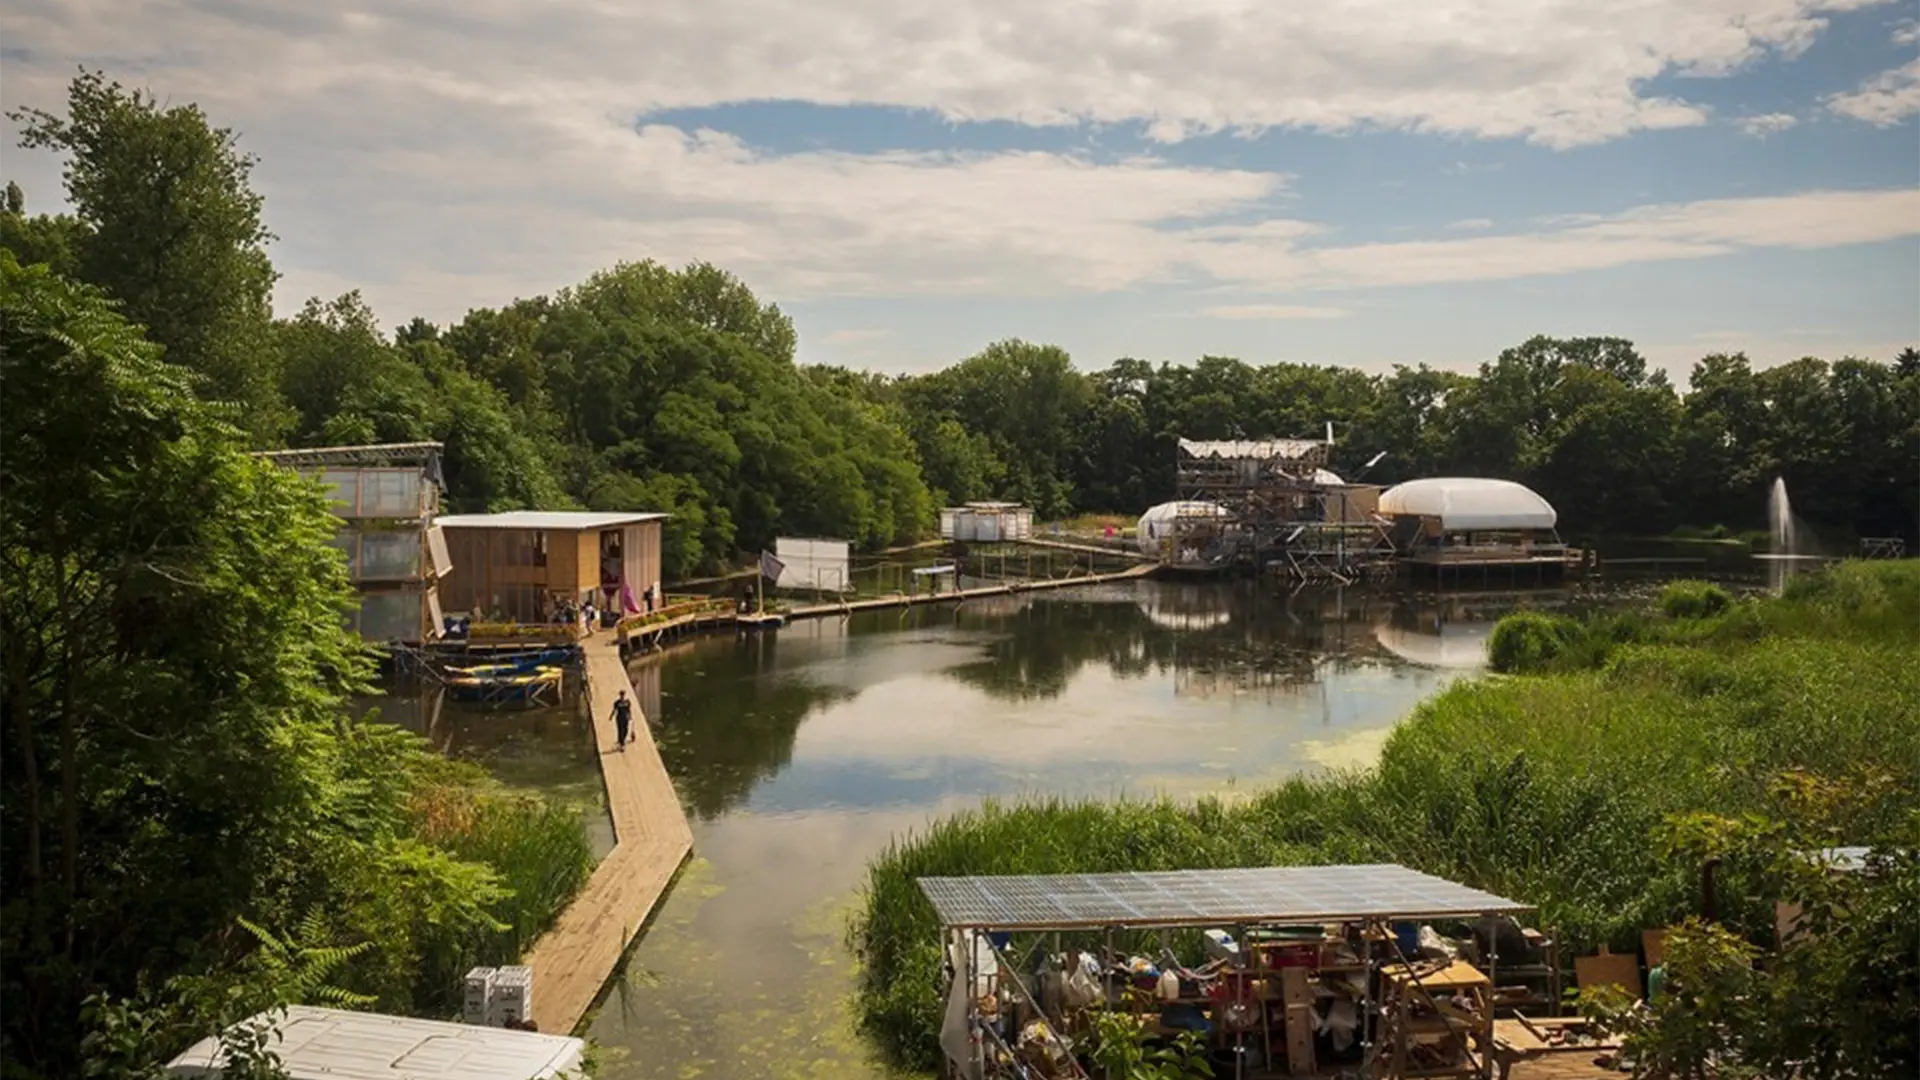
(1277, 894)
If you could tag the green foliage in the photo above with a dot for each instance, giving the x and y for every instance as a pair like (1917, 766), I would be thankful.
(181, 768)
(169, 226)
(1529, 641)
(1123, 1050)
(1696, 1026)
(1556, 789)
(1694, 600)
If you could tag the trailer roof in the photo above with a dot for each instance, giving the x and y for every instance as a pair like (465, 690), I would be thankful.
(336, 1044)
(1255, 895)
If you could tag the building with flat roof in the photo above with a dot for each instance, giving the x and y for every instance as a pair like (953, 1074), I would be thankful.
(386, 496)
(525, 566)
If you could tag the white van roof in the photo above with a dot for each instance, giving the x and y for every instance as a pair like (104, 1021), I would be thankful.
(335, 1044)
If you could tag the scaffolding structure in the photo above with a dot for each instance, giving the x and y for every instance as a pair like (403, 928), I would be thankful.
(1284, 511)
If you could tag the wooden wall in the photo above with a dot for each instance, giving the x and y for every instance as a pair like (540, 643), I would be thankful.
(492, 568)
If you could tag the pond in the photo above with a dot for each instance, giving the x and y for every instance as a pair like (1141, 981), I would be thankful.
(800, 755)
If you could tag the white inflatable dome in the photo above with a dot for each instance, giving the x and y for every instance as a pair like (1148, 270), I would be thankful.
(1156, 525)
(1328, 478)
(1469, 504)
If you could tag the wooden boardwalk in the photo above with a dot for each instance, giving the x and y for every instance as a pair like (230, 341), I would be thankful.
(1116, 552)
(572, 962)
(810, 611)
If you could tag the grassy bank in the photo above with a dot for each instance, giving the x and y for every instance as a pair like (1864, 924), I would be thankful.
(1551, 788)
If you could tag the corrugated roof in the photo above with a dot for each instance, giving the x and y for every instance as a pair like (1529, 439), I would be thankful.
(1256, 449)
(564, 520)
(1272, 894)
(335, 1044)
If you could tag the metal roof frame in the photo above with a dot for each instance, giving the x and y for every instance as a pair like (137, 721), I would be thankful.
(374, 455)
(1273, 896)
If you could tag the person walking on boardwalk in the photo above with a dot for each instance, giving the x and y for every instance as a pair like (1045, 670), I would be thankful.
(622, 720)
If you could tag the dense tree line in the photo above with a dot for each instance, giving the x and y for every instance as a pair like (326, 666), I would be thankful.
(646, 387)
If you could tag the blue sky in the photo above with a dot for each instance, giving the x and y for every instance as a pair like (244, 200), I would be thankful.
(1354, 181)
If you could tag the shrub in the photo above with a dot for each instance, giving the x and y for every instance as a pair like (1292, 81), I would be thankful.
(1529, 641)
(1694, 600)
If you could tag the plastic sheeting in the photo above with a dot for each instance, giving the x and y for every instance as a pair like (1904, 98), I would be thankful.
(1156, 525)
(1470, 504)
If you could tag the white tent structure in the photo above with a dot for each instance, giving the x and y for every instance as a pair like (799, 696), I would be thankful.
(1156, 526)
(1470, 504)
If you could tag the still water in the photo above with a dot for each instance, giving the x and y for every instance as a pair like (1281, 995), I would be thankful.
(800, 755)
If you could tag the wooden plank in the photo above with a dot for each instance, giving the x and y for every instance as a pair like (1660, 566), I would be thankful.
(572, 961)
(1608, 969)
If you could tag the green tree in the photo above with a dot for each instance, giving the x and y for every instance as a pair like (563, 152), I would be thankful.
(346, 383)
(170, 227)
(171, 622)
(52, 240)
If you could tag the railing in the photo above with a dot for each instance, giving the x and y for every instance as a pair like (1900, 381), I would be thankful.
(677, 607)
(519, 631)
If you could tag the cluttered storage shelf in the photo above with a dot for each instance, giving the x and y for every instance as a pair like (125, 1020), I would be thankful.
(1322, 971)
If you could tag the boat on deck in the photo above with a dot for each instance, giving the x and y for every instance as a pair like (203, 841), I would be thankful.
(540, 684)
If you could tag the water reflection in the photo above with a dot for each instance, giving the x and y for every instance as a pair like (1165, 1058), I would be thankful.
(548, 749)
(801, 754)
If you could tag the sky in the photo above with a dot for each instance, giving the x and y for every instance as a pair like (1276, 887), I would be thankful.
(1361, 182)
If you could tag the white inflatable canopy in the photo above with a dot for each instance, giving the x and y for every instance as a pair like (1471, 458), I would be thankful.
(1157, 523)
(1469, 504)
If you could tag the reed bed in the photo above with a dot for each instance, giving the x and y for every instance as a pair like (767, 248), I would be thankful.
(1551, 788)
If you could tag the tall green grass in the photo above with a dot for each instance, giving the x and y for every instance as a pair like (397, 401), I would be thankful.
(1551, 789)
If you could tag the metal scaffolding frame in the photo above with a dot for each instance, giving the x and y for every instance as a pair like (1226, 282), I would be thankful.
(1286, 512)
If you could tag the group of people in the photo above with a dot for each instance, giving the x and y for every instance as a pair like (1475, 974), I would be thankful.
(585, 614)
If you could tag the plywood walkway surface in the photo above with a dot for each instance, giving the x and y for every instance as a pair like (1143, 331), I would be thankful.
(572, 962)
(1091, 549)
(809, 611)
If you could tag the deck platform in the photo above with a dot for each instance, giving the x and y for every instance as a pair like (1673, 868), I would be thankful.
(849, 607)
(573, 961)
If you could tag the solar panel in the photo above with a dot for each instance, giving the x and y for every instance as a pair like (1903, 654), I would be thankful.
(1273, 894)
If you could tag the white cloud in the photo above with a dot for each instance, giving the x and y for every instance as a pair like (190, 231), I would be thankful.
(1274, 311)
(1907, 33)
(854, 335)
(442, 156)
(1643, 234)
(1472, 224)
(1884, 100)
(1558, 72)
(1767, 124)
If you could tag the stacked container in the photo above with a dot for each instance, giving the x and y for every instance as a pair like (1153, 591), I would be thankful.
(477, 1001)
(511, 1000)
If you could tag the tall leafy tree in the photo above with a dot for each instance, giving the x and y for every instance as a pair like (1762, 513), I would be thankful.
(171, 227)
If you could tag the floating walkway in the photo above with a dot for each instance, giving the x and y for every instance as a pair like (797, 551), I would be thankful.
(813, 611)
(572, 962)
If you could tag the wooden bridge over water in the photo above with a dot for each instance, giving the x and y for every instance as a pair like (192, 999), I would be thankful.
(573, 961)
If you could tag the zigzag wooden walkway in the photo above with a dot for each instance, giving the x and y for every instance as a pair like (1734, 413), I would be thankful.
(572, 962)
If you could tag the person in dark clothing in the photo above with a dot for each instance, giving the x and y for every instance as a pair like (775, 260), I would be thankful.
(622, 720)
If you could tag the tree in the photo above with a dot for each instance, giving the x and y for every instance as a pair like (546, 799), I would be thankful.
(346, 384)
(171, 228)
(173, 697)
(50, 240)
